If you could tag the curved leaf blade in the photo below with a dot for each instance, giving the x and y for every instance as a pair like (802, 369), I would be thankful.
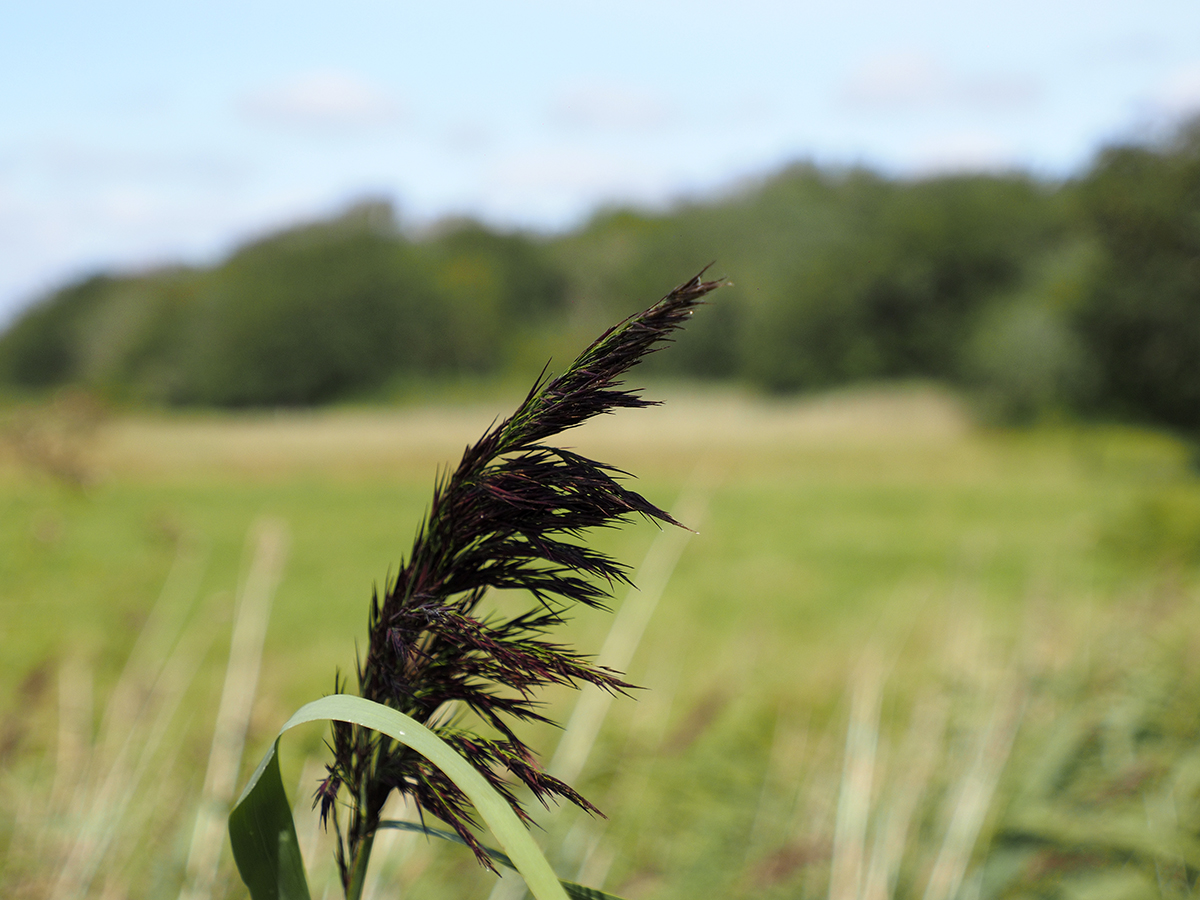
(263, 836)
(574, 891)
(262, 813)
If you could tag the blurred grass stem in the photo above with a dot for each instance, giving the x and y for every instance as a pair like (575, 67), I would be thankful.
(137, 719)
(625, 634)
(858, 773)
(270, 539)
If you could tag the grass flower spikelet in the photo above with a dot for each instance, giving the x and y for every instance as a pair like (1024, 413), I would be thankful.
(506, 518)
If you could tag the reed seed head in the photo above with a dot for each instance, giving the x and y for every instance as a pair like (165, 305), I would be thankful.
(509, 517)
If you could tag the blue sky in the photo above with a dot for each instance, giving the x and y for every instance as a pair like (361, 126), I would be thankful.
(138, 133)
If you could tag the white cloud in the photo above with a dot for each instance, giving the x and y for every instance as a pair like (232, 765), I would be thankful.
(557, 185)
(610, 107)
(910, 80)
(324, 100)
(77, 166)
(1134, 48)
(1178, 94)
(899, 79)
(962, 151)
(468, 137)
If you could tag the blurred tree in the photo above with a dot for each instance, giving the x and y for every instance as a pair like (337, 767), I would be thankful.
(1032, 295)
(1025, 360)
(43, 347)
(312, 315)
(1142, 316)
(492, 289)
(896, 292)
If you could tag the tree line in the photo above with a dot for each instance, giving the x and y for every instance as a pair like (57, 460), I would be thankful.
(1038, 298)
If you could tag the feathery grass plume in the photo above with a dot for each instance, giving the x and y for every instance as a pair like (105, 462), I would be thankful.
(504, 519)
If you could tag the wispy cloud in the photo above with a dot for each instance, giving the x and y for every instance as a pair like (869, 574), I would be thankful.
(1178, 94)
(84, 166)
(610, 107)
(557, 184)
(323, 101)
(909, 80)
(962, 151)
(1136, 48)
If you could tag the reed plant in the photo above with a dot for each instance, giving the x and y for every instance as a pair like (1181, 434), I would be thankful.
(461, 677)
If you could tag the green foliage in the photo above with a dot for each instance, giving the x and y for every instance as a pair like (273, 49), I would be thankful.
(311, 315)
(1104, 792)
(1039, 299)
(895, 294)
(1160, 529)
(317, 313)
(1024, 359)
(45, 346)
(1142, 319)
(509, 270)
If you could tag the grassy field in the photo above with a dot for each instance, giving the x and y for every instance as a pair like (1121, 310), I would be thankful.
(904, 656)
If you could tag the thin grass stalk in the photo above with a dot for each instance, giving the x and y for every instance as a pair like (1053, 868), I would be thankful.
(76, 700)
(102, 823)
(1162, 817)
(84, 766)
(39, 823)
(311, 836)
(789, 744)
(858, 774)
(115, 770)
(920, 752)
(147, 658)
(127, 860)
(975, 792)
(812, 804)
(393, 849)
(647, 735)
(270, 539)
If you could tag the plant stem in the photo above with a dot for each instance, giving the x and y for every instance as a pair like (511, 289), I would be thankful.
(358, 875)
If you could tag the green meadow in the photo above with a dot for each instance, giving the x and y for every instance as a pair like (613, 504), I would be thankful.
(903, 655)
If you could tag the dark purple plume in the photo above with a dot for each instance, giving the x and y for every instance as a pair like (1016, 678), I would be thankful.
(506, 518)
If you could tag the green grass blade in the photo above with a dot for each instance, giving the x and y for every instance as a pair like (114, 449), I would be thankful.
(398, 825)
(273, 869)
(263, 836)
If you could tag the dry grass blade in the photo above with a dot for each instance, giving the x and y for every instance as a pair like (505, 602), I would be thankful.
(270, 539)
(920, 755)
(76, 696)
(858, 776)
(94, 827)
(975, 792)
